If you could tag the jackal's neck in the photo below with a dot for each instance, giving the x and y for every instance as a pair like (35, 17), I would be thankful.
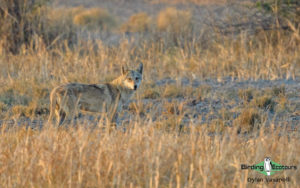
(124, 91)
(117, 81)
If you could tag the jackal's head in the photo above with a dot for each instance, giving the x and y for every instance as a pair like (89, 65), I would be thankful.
(132, 78)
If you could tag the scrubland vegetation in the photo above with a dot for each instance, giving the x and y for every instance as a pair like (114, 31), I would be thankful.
(214, 95)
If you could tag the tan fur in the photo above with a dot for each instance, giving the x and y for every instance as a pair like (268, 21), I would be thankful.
(67, 100)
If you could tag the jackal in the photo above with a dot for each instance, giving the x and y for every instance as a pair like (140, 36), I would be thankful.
(66, 101)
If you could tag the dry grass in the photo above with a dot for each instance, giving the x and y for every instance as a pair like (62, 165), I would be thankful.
(246, 94)
(91, 158)
(173, 20)
(177, 135)
(140, 22)
(20, 21)
(60, 25)
(95, 19)
(248, 120)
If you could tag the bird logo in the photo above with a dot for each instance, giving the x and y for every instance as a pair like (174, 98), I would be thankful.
(268, 165)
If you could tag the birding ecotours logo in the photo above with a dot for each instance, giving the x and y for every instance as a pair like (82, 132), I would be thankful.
(268, 167)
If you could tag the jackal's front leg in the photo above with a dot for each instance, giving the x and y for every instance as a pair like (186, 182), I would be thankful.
(114, 115)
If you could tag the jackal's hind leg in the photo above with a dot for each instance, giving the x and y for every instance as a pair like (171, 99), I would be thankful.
(114, 119)
(61, 116)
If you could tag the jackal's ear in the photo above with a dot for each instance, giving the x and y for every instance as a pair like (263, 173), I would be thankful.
(140, 69)
(123, 70)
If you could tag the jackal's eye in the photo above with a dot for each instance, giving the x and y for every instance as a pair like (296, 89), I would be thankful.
(136, 78)
(129, 79)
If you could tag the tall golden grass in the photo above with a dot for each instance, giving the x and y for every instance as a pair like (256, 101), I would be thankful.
(140, 157)
(28, 77)
(148, 154)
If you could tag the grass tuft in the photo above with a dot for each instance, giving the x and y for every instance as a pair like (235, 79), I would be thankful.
(246, 94)
(248, 120)
(173, 91)
(95, 19)
(140, 22)
(173, 20)
(265, 102)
